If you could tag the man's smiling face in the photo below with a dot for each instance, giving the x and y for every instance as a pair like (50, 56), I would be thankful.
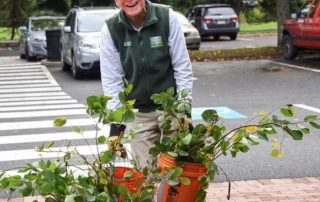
(131, 7)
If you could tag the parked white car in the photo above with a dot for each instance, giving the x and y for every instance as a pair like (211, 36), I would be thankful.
(191, 34)
(32, 42)
(80, 39)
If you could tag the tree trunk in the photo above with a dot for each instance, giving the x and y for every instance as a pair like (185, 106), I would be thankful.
(74, 3)
(283, 13)
(13, 33)
(236, 4)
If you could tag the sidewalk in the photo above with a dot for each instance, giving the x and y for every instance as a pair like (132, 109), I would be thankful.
(272, 190)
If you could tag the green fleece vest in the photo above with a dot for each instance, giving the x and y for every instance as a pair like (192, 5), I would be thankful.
(144, 55)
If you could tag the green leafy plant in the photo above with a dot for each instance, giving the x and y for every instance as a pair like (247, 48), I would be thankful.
(210, 139)
(95, 180)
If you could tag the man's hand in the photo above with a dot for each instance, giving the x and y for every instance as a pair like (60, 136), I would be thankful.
(114, 141)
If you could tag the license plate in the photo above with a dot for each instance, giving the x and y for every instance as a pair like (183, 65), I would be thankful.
(221, 22)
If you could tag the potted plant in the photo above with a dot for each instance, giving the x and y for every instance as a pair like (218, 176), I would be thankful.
(188, 154)
(97, 179)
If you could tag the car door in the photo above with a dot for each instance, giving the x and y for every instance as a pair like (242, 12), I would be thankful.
(67, 37)
(311, 31)
(303, 19)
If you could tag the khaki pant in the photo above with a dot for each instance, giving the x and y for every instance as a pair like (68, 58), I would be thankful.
(145, 136)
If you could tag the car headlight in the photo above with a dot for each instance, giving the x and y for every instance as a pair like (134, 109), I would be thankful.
(34, 39)
(86, 44)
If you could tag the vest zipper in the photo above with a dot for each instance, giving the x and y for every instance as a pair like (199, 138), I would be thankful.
(143, 65)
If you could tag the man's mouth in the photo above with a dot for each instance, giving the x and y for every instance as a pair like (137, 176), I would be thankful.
(132, 4)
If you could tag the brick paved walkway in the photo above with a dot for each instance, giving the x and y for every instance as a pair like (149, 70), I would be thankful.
(273, 190)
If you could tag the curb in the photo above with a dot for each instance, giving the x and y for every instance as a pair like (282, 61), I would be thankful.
(51, 63)
(9, 43)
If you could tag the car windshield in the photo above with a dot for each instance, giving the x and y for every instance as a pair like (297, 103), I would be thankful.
(182, 20)
(92, 22)
(220, 11)
(42, 24)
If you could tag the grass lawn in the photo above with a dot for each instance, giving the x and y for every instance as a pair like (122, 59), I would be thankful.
(5, 34)
(270, 26)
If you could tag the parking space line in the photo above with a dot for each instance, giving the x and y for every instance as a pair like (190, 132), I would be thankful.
(306, 107)
(296, 66)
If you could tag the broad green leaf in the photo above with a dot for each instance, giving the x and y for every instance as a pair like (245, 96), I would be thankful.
(101, 139)
(106, 156)
(59, 121)
(187, 139)
(122, 97)
(184, 93)
(128, 116)
(117, 115)
(277, 153)
(279, 121)
(315, 125)
(288, 112)
(224, 146)
(127, 175)
(173, 181)
(26, 191)
(209, 114)
(262, 135)
(69, 198)
(122, 189)
(183, 153)
(173, 154)
(185, 181)
(128, 89)
(310, 118)
(295, 134)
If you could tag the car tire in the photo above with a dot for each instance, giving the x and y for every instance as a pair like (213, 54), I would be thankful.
(27, 54)
(216, 37)
(233, 36)
(64, 65)
(289, 51)
(75, 70)
(22, 56)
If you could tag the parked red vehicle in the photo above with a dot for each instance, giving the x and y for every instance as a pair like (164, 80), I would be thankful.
(302, 31)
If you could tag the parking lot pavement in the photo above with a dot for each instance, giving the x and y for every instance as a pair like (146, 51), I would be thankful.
(271, 190)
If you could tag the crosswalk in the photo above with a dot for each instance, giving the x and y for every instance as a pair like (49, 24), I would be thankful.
(30, 99)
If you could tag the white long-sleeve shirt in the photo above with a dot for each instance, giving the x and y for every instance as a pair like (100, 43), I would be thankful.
(112, 73)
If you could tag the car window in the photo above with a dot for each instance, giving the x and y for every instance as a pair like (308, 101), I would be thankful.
(219, 11)
(305, 10)
(42, 24)
(92, 22)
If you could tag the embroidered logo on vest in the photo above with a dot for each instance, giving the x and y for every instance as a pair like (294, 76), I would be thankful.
(156, 42)
(127, 44)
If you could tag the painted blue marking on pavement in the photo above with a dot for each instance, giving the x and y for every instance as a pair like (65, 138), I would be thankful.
(224, 112)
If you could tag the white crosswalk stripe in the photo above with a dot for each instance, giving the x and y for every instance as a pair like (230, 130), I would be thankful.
(30, 99)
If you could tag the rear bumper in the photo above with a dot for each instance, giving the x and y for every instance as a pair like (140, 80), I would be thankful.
(224, 31)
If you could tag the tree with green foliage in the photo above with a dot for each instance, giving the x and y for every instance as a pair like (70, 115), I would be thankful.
(14, 13)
